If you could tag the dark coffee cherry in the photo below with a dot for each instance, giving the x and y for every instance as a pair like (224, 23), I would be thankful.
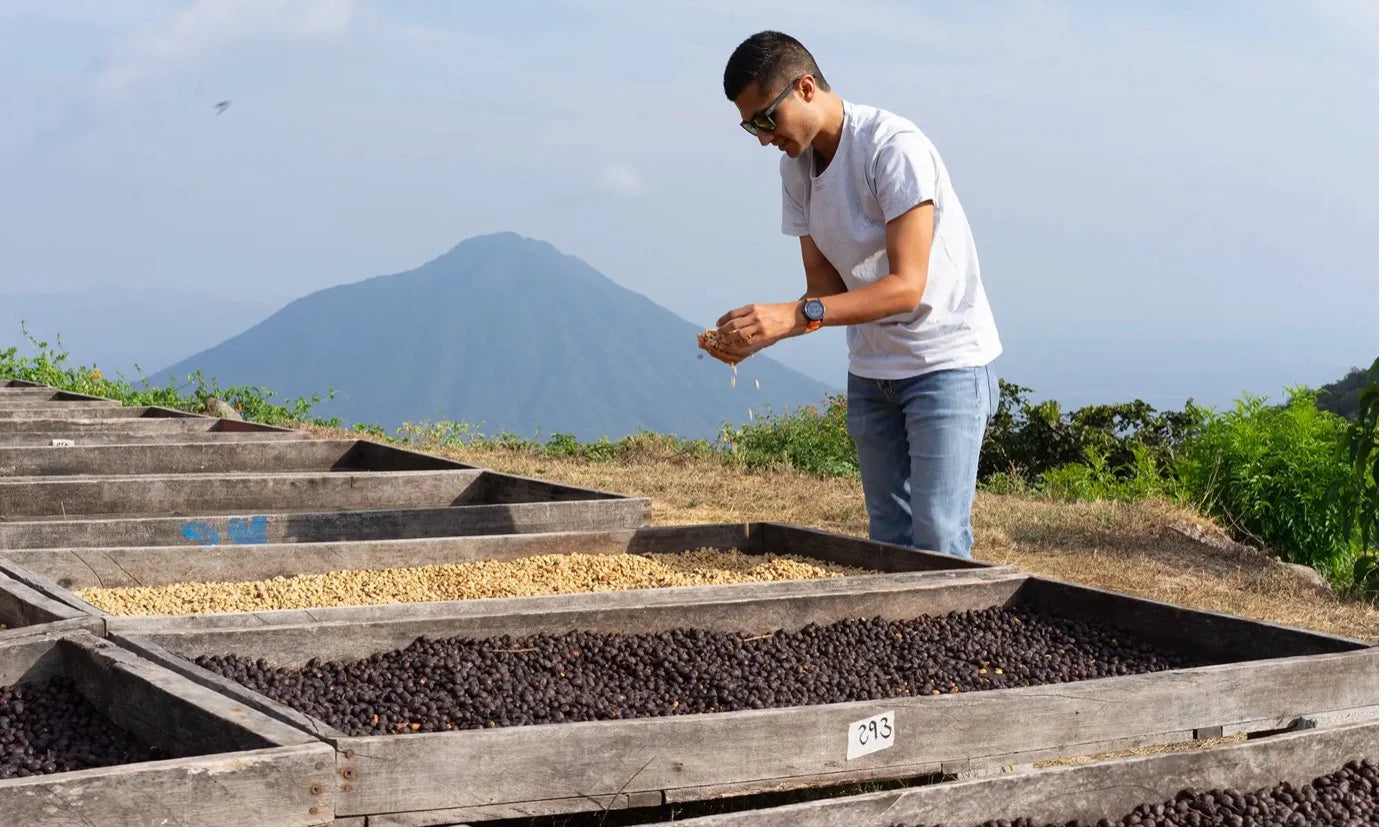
(49, 727)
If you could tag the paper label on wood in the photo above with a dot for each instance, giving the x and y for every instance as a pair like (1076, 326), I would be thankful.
(870, 735)
(62, 443)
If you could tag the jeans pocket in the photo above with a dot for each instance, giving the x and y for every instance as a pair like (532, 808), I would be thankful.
(994, 378)
(856, 405)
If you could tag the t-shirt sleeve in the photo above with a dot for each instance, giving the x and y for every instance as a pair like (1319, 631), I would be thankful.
(794, 200)
(903, 175)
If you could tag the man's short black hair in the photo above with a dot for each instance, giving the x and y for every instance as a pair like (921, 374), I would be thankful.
(769, 59)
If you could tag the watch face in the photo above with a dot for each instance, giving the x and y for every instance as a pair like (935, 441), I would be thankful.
(813, 310)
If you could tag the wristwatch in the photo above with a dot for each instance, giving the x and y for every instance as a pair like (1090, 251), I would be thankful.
(814, 311)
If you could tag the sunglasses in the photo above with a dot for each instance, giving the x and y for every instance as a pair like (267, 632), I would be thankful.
(764, 119)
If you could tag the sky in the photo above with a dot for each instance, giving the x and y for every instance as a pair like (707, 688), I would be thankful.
(1171, 200)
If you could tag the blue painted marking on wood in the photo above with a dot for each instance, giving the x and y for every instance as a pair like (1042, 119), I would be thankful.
(242, 530)
(200, 532)
(248, 530)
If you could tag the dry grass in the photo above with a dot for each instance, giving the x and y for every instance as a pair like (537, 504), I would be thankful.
(1133, 549)
(1145, 750)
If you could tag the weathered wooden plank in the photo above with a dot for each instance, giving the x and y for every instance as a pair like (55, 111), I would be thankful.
(319, 526)
(505, 488)
(518, 810)
(43, 398)
(181, 494)
(93, 412)
(626, 610)
(62, 572)
(78, 568)
(1085, 793)
(1303, 721)
(235, 764)
(47, 394)
(50, 394)
(237, 457)
(80, 409)
(51, 590)
(661, 608)
(84, 623)
(864, 553)
(1199, 634)
(971, 767)
(531, 763)
(164, 706)
(134, 424)
(31, 657)
(28, 611)
(149, 650)
(293, 637)
(25, 611)
(374, 455)
(729, 790)
(278, 786)
(21, 605)
(99, 439)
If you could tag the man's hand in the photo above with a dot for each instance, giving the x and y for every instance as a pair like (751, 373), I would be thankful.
(762, 323)
(728, 350)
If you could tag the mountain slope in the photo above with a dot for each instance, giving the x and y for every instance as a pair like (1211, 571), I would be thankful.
(506, 333)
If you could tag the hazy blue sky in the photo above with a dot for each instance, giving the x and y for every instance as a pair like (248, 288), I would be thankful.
(1170, 199)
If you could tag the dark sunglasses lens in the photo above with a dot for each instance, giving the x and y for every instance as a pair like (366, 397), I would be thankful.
(749, 127)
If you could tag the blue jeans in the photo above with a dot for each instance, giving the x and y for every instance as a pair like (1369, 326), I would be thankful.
(919, 445)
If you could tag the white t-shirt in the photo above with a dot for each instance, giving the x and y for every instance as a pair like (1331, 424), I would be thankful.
(883, 167)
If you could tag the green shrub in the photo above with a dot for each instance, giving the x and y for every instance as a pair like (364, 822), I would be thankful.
(1360, 499)
(647, 444)
(1097, 479)
(52, 366)
(563, 444)
(1366, 575)
(809, 439)
(444, 433)
(374, 431)
(1274, 474)
(1027, 439)
(642, 445)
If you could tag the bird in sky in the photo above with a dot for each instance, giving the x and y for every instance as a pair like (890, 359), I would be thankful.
(221, 106)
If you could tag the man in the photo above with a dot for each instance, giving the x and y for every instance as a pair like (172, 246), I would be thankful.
(888, 254)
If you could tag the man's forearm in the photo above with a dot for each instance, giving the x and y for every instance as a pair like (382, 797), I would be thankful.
(889, 295)
(830, 292)
(895, 293)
